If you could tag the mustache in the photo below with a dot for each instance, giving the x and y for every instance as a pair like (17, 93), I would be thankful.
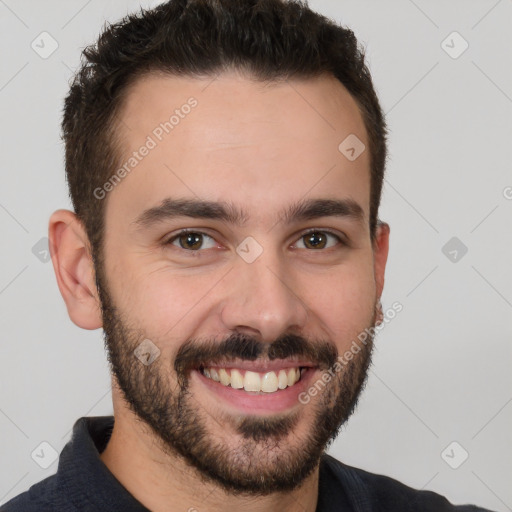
(193, 353)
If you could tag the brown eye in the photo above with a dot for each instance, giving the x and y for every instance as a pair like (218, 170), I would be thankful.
(315, 240)
(318, 240)
(192, 241)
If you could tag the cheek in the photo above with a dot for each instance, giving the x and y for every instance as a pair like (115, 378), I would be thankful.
(342, 301)
(158, 301)
(171, 307)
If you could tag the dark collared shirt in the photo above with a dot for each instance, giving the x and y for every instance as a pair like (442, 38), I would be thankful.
(84, 483)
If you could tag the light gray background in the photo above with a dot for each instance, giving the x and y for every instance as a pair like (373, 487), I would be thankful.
(442, 367)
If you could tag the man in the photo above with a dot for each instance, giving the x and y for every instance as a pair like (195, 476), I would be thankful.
(225, 160)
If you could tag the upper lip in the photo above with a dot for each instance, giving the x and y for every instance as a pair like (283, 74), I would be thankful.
(262, 366)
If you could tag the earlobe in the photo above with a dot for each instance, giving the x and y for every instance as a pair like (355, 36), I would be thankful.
(74, 269)
(380, 255)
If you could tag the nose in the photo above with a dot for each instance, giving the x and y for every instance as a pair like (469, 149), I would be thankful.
(261, 301)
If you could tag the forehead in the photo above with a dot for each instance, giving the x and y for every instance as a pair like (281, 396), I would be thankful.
(238, 140)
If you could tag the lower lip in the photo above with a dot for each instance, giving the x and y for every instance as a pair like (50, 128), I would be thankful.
(252, 402)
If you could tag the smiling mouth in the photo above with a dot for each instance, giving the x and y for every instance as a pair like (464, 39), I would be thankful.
(262, 382)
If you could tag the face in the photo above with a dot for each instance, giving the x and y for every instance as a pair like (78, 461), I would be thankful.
(237, 266)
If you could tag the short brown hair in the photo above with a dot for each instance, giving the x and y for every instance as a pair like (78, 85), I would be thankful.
(272, 39)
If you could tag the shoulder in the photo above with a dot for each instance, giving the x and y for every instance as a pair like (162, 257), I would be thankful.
(381, 493)
(40, 497)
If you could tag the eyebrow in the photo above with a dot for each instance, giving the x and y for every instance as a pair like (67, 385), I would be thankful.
(302, 210)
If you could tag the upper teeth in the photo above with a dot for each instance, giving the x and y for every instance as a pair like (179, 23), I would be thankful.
(253, 381)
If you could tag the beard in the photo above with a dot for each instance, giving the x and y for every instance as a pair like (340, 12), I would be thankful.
(259, 455)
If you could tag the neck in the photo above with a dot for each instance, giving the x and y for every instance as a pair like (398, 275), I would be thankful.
(165, 483)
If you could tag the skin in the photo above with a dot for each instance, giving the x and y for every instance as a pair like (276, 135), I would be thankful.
(262, 149)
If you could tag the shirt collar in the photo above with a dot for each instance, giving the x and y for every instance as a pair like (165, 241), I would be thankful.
(84, 477)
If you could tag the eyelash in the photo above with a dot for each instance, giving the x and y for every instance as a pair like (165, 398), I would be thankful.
(198, 252)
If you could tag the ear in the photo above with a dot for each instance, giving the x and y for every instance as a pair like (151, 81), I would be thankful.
(74, 269)
(380, 255)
